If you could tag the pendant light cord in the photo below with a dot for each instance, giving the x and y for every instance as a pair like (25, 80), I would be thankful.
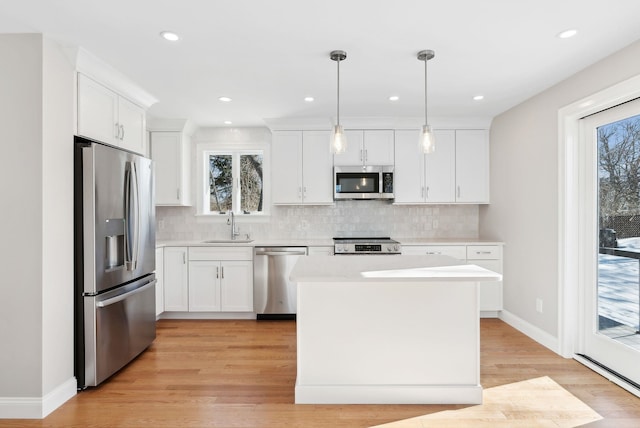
(425, 91)
(338, 97)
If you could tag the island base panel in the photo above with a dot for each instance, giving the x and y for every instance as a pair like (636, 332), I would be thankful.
(387, 394)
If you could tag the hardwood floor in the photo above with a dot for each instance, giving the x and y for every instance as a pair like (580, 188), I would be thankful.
(242, 374)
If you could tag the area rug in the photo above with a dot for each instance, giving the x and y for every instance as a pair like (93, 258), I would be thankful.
(531, 403)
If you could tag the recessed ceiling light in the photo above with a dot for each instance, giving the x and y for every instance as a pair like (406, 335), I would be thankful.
(309, 99)
(567, 33)
(227, 122)
(170, 35)
(478, 97)
(225, 99)
(394, 98)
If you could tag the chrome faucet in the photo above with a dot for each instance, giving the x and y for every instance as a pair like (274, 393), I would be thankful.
(234, 229)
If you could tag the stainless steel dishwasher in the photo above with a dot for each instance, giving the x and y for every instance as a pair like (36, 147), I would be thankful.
(274, 296)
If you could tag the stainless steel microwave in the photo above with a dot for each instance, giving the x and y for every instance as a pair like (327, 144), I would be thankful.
(363, 182)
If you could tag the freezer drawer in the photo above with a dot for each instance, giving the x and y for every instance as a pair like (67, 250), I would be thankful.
(119, 325)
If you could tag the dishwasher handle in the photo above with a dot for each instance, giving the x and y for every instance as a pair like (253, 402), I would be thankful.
(276, 252)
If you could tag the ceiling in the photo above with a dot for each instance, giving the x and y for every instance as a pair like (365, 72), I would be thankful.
(268, 55)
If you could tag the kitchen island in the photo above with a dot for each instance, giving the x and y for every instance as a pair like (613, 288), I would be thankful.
(388, 330)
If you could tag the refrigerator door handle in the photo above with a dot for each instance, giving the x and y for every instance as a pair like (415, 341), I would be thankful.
(120, 298)
(132, 216)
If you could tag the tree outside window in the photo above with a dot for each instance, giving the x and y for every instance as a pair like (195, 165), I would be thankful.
(619, 176)
(236, 182)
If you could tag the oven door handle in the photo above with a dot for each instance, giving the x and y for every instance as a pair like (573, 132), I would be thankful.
(121, 297)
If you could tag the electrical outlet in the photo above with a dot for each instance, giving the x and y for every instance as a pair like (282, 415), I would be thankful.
(539, 305)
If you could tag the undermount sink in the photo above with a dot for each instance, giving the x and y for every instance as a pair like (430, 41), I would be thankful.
(227, 241)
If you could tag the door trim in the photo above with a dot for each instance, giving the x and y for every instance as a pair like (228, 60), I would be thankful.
(571, 178)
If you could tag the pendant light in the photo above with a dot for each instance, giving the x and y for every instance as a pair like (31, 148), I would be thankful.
(427, 140)
(338, 139)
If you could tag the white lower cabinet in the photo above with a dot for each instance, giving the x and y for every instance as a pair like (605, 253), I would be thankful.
(176, 279)
(208, 279)
(220, 279)
(159, 281)
(220, 286)
(486, 256)
(324, 250)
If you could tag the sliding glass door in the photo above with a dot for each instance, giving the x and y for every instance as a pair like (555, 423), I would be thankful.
(611, 321)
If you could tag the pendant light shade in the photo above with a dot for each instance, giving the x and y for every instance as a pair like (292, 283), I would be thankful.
(338, 139)
(427, 140)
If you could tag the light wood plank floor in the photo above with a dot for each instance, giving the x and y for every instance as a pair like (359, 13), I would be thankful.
(242, 374)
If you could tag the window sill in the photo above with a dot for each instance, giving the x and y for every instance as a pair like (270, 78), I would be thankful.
(239, 218)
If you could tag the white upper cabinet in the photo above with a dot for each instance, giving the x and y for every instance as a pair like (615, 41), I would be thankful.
(106, 116)
(301, 165)
(367, 147)
(317, 172)
(171, 153)
(472, 166)
(286, 167)
(440, 169)
(456, 172)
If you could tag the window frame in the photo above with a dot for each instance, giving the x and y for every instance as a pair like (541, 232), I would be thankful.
(204, 150)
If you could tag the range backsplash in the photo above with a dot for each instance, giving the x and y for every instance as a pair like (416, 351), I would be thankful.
(345, 217)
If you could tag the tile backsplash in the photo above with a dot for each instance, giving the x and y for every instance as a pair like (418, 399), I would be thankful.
(345, 217)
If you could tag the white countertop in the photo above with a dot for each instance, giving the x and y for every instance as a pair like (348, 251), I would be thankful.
(321, 242)
(254, 243)
(374, 268)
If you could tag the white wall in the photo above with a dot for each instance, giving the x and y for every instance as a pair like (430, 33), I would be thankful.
(36, 244)
(524, 188)
(57, 219)
(21, 225)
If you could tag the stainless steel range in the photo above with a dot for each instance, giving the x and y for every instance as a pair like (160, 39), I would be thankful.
(365, 245)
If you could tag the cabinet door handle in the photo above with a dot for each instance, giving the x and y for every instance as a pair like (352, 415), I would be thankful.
(222, 272)
(361, 155)
(122, 132)
(178, 194)
(427, 193)
(483, 252)
(217, 272)
(458, 191)
(434, 252)
(117, 131)
(366, 155)
(184, 258)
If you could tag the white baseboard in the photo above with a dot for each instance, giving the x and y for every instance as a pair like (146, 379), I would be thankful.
(388, 394)
(207, 316)
(537, 334)
(37, 407)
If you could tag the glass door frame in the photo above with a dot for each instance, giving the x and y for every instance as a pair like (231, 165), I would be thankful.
(593, 344)
(573, 259)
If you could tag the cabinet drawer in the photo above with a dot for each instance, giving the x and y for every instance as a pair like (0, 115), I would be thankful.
(220, 253)
(455, 251)
(483, 252)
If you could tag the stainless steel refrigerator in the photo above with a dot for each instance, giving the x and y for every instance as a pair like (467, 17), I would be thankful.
(114, 259)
